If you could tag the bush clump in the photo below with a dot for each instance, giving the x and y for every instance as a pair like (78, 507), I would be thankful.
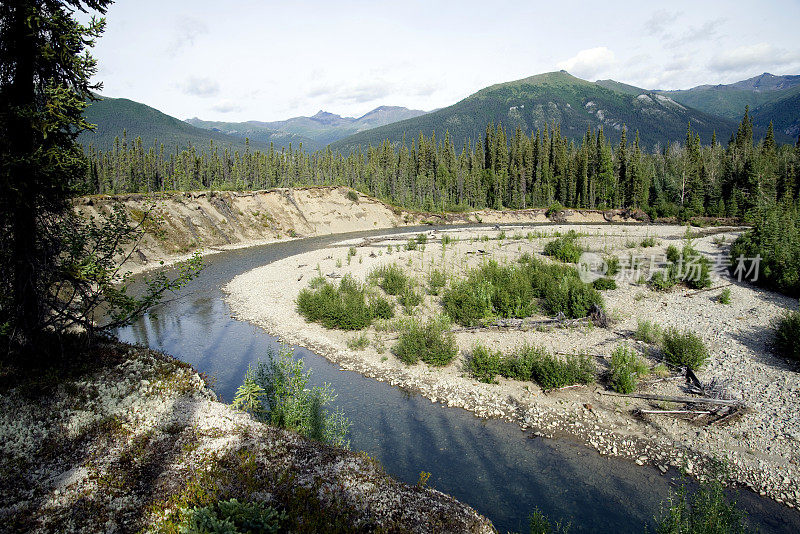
(437, 279)
(626, 368)
(232, 517)
(648, 331)
(381, 308)
(344, 307)
(706, 511)
(684, 349)
(517, 291)
(787, 334)
(686, 266)
(391, 279)
(432, 342)
(602, 284)
(565, 248)
(531, 363)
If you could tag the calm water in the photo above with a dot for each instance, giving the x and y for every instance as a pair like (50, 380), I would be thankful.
(491, 465)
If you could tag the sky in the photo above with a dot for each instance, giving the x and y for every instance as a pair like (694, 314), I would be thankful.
(266, 60)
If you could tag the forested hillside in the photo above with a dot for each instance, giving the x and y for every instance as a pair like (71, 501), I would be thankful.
(502, 169)
(556, 98)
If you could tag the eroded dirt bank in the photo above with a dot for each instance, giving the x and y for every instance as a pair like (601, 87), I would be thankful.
(761, 449)
(181, 223)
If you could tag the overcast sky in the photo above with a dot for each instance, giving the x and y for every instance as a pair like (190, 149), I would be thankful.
(264, 60)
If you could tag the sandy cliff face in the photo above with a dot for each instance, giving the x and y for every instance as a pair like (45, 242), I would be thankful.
(178, 224)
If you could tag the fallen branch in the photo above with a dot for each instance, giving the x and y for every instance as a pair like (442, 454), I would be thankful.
(693, 293)
(702, 412)
(684, 400)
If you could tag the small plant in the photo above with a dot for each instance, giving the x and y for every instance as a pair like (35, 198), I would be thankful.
(409, 299)
(538, 523)
(553, 210)
(648, 331)
(725, 296)
(437, 279)
(381, 308)
(631, 243)
(232, 517)
(705, 511)
(787, 333)
(484, 365)
(343, 307)
(359, 342)
(684, 349)
(602, 284)
(432, 342)
(411, 244)
(421, 239)
(648, 242)
(352, 196)
(626, 369)
(424, 477)
(565, 248)
(391, 279)
(553, 373)
(502, 235)
(612, 265)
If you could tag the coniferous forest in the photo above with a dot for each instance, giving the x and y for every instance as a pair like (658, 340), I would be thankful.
(503, 170)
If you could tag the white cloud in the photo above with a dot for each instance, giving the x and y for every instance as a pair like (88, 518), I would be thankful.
(226, 106)
(660, 20)
(187, 30)
(589, 63)
(199, 86)
(761, 56)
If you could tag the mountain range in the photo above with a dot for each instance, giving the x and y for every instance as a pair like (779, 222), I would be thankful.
(555, 98)
(316, 131)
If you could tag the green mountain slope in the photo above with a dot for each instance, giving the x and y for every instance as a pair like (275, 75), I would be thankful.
(730, 100)
(257, 132)
(316, 131)
(784, 115)
(554, 98)
(115, 115)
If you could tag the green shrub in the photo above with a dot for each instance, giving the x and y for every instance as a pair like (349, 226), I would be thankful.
(467, 303)
(409, 299)
(626, 369)
(391, 278)
(648, 242)
(538, 523)
(344, 307)
(436, 281)
(277, 391)
(432, 342)
(601, 284)
(411, 244)
(421, 239)
(381, 308)
(787, 334)
(352, 196)
(684, 349)
(231, 517)
(648, 332)
(484, 364)
(706, 511)
(551, 372)
(515, 291)
(565, 248)
(554, 209)
(687, 266)
(775, 237)
(612, 265)
(725, 296)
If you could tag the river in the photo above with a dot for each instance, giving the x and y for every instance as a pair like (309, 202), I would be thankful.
(491, 465)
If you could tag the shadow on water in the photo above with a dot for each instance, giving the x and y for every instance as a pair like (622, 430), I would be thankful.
(493, 466)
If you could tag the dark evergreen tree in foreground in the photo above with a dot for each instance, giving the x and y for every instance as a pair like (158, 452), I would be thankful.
(57, 270)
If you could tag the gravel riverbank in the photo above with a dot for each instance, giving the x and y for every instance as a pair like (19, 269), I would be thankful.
(761, 449)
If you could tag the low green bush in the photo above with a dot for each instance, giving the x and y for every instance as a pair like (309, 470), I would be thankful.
(352, 196)
(725, 296)
(437, 279)
(411, 244)
(232, 517)
(517, 290)
(626, 368)
(648, 331)
(391, 278)
(432, 342)
(381, 308)
(602, 284)
(565, 248)
(538, 523)
(787, 334)
(705, 511)
(421, 239)
(409, 299)
(612, 265)
(531, 363)
(648, 242)
(684, 349)
(686, 266)
(484, 364)
(359, 342)
(343, 307)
